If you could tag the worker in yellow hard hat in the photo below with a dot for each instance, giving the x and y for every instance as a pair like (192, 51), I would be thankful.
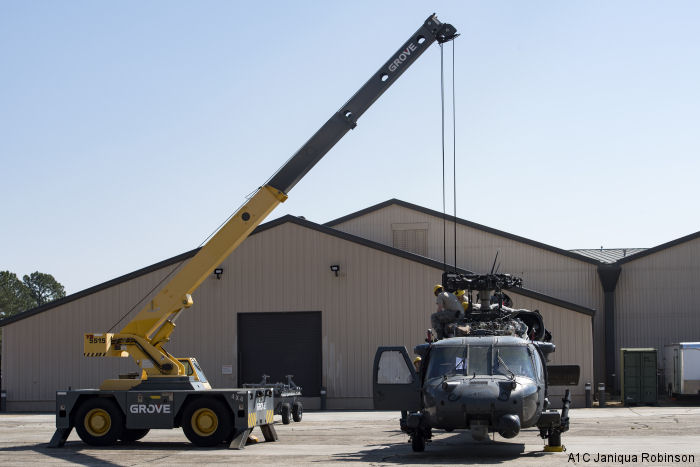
(449, 309)
(462, 297)
(416, 363)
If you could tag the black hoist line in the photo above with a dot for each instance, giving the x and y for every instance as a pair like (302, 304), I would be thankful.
(454, 159)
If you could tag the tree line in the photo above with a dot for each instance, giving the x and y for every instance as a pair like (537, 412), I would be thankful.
(33, 290)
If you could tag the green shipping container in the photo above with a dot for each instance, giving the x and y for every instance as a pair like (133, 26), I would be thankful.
(638, 378)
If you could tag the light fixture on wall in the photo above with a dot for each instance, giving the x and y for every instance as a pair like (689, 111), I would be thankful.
(218, 272)
(335, 268)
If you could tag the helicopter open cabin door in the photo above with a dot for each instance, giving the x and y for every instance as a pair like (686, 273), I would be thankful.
(395, 382)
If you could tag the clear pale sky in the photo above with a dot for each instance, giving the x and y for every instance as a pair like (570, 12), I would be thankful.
(129, 130)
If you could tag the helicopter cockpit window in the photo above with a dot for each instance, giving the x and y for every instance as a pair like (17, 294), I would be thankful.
(516, 359)
(539, 371)
(446, 361)
(459, 361)
(479, 360)
(393, 369)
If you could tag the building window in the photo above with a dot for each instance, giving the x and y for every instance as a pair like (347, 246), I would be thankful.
(411, 237)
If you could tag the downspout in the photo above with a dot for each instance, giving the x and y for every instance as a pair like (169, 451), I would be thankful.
(609, 274)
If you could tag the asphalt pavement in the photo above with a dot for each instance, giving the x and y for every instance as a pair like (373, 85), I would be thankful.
(607, 436)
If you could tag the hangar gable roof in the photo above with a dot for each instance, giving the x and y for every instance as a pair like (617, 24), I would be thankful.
(593, 256)
(270, 225)
(658, 248)
(474, 225)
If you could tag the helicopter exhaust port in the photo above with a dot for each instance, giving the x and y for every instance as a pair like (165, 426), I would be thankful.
(509, 426)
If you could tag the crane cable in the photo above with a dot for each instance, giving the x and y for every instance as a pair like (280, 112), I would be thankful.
(454, 156)
(442, 114)
(178, 264)
(454, 160)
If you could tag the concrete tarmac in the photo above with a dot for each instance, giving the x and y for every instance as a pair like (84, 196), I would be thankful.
(607, 436)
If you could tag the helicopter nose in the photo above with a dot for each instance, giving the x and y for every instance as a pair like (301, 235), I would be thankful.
(457, 399)
(509, 426)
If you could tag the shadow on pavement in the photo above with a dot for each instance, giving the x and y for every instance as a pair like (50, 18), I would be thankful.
(70, 454)
(458, 448)
(77, 452)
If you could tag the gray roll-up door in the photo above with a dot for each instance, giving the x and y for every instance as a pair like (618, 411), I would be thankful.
(279, 344)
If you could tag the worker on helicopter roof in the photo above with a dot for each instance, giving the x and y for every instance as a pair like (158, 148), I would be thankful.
(462, 297)
(449, 309)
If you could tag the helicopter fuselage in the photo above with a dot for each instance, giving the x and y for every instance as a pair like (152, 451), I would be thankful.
(483, 383)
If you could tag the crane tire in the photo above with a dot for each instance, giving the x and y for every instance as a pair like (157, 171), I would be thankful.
(297, 411)
(285, 410)
(206, 421)
(133, 434)
(99, 421)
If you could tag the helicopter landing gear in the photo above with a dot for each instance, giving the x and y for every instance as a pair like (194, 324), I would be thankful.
(418, 442)
(552, 425)
(554, 442)
(419, 436)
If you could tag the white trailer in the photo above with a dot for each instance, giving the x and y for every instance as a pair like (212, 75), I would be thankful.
(682, 368)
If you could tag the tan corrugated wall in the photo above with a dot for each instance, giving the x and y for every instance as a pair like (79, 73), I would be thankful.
(572, 333)
(657, 300)
(44, 353)
(547, 272)
(379, 299)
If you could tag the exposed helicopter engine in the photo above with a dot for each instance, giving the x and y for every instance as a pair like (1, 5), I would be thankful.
(492, 313)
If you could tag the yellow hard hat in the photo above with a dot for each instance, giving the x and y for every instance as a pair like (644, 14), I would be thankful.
(416, 360)
(436, 288)
(459, 293)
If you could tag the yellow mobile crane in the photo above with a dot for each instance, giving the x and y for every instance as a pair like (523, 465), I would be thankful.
(173, 392)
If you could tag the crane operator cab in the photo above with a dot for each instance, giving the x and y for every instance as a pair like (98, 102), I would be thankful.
(193, 370)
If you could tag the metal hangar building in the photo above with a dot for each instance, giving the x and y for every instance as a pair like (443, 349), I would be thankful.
(278, 308)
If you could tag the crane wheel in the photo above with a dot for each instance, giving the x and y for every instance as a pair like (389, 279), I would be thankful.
(133, 434)
(99, 421)
(285, 411)
(297, 411)
(207, 421)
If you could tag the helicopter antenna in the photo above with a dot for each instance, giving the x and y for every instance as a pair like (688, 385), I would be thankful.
(494, 261)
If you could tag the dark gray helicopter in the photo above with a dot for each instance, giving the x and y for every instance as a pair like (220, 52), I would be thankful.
(488, 374)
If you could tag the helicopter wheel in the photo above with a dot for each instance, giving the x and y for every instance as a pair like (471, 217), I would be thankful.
(418, 443)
